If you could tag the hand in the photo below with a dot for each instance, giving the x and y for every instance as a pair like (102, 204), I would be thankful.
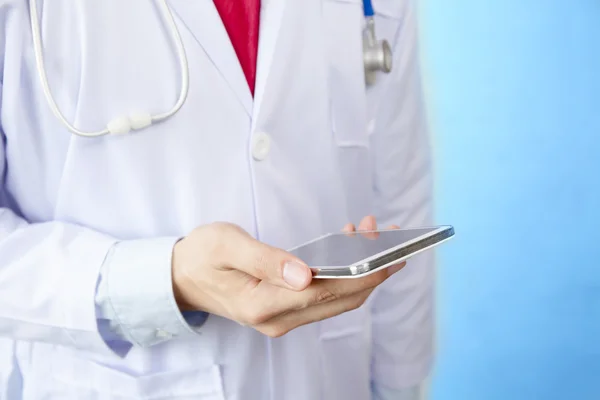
(221, 269)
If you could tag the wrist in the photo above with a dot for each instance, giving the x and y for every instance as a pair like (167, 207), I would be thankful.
(179, 280)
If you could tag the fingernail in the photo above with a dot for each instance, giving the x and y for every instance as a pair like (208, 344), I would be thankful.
(295, 275)
(392, 270)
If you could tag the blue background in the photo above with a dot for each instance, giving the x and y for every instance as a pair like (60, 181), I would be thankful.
(513, 89)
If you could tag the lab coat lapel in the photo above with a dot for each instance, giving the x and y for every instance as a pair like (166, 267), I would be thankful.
(202, 19)
(273, 13)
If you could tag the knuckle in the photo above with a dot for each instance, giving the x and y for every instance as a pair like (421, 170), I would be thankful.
(365, 296)
(376, 279)
(213, 238)
(324, 296)
(356, 304)
(252, 316)
(225, 231)
(254, 319)
(358, 300)
(274, 331)
(220, 229)
(262, 263)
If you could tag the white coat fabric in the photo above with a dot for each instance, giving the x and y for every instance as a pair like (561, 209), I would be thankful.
(337, 151)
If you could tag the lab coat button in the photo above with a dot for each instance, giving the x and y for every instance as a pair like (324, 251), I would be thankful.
(261, 145)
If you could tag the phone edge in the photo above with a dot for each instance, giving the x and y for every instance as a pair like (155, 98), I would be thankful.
(365, 267)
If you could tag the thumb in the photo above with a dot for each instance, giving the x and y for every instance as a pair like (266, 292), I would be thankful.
(275, 266)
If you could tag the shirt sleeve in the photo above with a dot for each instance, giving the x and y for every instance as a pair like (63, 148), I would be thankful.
(135, 299)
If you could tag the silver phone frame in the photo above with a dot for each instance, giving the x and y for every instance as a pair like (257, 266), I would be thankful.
(389, 257)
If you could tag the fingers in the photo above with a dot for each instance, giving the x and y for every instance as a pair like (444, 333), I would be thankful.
(368, 223)
(231, 274)
(264, 262)
(284, 323)
(348, 228)
(277, 267)
(322, 291)
(370, 235)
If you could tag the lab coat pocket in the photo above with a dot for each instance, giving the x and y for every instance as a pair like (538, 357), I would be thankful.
(343, 23)
(346, 356)
(78, 378)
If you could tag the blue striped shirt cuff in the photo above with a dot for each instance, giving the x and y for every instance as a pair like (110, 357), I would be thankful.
(135, 299)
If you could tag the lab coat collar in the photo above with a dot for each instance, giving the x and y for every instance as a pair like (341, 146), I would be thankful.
(203, 21)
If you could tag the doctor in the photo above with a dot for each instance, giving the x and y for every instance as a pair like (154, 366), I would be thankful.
(155, 159)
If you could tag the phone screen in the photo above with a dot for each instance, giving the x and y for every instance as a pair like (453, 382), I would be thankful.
(342, 250)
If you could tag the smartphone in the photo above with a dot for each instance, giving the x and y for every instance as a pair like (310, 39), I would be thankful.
(357, 254)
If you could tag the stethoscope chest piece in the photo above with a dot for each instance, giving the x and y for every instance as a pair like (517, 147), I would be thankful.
(377, 54)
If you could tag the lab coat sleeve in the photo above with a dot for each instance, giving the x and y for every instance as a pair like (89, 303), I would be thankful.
(48, 270)
(53, 277)
(403, 307)
(135, 299)
(58, 286)
(48, 275)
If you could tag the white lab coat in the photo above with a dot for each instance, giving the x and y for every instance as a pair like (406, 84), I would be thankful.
(335, 152)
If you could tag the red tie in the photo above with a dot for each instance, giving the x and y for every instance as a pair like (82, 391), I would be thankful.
(241, 19)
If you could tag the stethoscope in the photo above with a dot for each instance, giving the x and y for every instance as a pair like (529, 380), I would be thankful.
(377, 56)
